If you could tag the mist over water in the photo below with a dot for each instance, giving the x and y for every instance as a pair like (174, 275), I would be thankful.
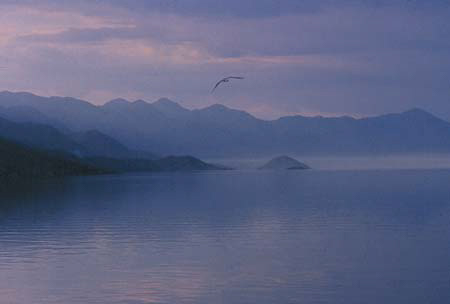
(314, 236)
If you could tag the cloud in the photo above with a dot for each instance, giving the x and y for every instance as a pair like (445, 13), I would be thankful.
(356, 57)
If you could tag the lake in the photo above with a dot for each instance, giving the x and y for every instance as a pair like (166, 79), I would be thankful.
(316, 236)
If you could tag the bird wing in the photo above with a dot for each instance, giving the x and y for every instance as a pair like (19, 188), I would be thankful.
(225, 80)
(217, 84)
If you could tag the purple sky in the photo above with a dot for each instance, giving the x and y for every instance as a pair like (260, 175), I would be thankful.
(310, 57)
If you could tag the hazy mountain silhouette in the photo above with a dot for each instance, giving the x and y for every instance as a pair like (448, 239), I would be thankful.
(30, 149)
(165, 127)
(169, 163)
(82, 144)
(39, 136)
(96, 143)
(170, 108)
(20, 162)
(24, 113)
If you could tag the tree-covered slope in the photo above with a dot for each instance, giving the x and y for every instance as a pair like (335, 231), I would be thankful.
(18, 161)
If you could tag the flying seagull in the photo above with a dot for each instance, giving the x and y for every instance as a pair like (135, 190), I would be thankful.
(226, 79)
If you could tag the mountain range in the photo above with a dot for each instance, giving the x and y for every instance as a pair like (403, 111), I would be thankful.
(89, 143)
(164, 127)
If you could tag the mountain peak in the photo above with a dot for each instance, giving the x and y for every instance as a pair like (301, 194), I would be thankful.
(221, 112)
(169, 107)
(116, 102)
(165, 101)
(220, 108)
(418, 112)
(217, 107)
(23, 94)
(140, 102)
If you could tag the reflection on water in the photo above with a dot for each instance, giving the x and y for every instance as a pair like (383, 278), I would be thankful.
(229, 237)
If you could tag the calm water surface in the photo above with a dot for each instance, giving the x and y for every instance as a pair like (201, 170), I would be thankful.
(229, 237)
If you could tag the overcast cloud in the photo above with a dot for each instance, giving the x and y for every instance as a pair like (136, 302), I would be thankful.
(310, 57)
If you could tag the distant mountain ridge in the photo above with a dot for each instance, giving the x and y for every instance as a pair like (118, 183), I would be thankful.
(19, 162)
(165, 127)
(166, 164)
(89, 143)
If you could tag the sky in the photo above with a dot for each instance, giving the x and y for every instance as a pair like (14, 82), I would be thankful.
(298, 57)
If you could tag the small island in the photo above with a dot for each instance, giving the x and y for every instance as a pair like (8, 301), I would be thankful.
(284, 163)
